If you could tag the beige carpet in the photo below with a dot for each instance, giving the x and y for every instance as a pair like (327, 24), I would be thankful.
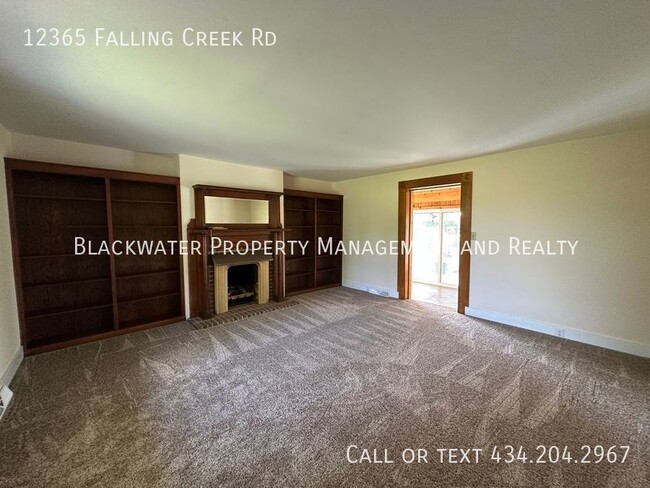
(275, 400)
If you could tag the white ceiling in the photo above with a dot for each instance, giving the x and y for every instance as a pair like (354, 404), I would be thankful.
(351, 87)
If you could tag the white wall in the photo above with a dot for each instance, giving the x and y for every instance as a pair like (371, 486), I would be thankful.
(595, 190)
(194, 170)
(9, 329)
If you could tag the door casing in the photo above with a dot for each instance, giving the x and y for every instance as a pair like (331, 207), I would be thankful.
(405, 231)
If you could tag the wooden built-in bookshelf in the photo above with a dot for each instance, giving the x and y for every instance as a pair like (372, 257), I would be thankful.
(65, 298)
(309, 216)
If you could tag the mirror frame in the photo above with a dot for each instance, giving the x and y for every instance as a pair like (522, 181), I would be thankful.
(202, 191)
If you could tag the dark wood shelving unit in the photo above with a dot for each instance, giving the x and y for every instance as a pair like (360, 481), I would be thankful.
(66, 299)
(310, 216)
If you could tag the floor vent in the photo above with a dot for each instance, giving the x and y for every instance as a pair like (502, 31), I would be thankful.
(381, 293)
(5, 399)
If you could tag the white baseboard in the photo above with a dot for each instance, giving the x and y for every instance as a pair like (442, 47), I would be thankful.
(592, 338)
(375, 290)
(8, 374)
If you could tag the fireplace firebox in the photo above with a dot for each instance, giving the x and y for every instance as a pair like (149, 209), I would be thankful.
(242, 284)
(240, 279)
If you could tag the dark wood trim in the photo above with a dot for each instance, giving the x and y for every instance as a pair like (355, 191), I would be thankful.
(213, 190)
(180, 256)
(405, 231)
(404, 235)
(316, 288)
(111, 257)
(202, 191)
(241, 227)
(47, 167)
(465, 237)
(103, 335)
(315, 241)
(243, 230)
(15, 251)
(313, 194)
(195, 278)
(277, 270)
(432, 181)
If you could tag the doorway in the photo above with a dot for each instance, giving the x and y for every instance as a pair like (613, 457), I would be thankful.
(436, 246)
(435, 223)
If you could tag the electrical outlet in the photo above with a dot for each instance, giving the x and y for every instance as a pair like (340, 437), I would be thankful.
(559, 332)
(473, 236)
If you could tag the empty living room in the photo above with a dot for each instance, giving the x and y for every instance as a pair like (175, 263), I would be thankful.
(324, 243)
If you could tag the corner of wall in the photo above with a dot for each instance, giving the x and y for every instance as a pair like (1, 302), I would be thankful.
(7, 375)
(5, 141)
(307, 184)
(11, 352)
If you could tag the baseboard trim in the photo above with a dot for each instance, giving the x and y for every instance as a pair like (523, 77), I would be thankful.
(375, 290)
(578, 335)
(14, 364)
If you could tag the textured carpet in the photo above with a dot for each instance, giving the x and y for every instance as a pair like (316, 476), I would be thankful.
(241, 312)
(275, 400)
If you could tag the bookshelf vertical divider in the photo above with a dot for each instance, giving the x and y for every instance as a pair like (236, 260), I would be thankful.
(111, 257)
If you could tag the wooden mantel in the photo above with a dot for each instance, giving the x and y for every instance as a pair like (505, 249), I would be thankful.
(199, 230)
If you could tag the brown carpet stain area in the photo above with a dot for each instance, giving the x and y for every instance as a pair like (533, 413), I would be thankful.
(276, 399)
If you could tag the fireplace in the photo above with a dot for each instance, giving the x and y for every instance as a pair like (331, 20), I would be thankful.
(256, 220)
(240, 279)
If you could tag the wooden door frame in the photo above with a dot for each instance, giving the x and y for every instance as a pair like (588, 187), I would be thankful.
(405, 231)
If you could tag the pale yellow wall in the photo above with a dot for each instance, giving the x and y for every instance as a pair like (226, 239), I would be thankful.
(67, 152)
(194, 170)
(308, 184)
(595, 190)
(9, 331)
(201, 171)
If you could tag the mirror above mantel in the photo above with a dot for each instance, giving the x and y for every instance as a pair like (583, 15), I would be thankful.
(226, 210)
(235, 208)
